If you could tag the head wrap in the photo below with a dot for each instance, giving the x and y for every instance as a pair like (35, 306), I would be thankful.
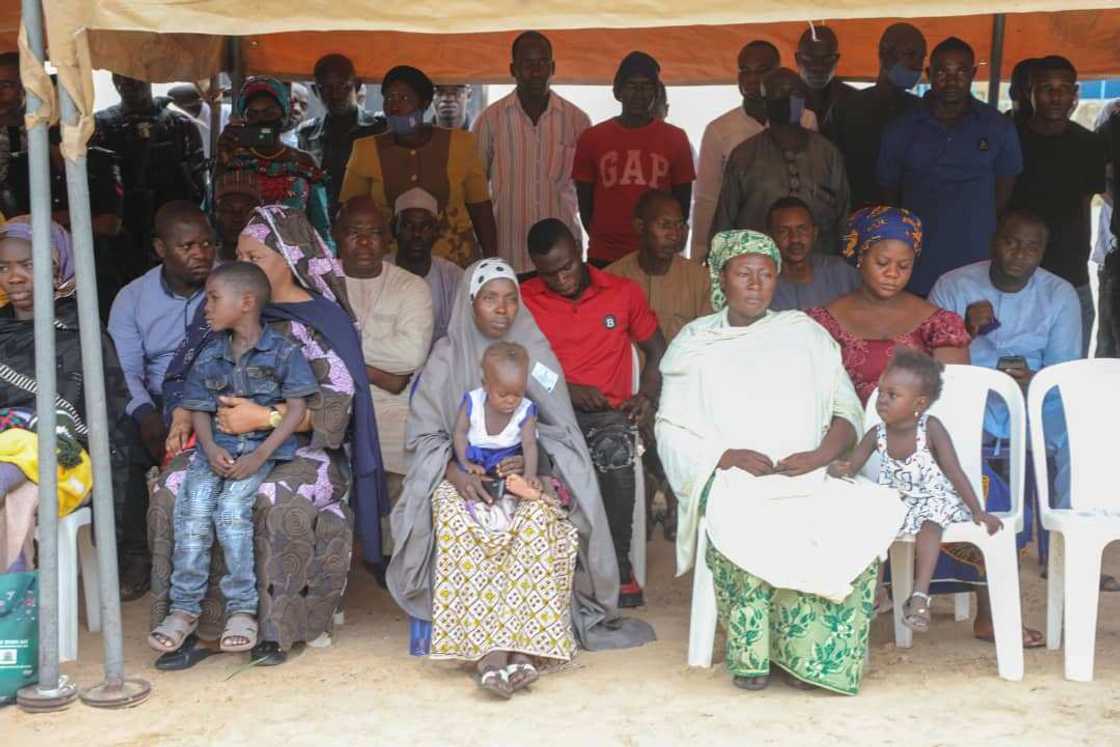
(487, 270)
(417, 197)
(287, 231)
(239, 182)
(880, 223)
(635, 64)
(726, 245)
(260, 84)
(415, 79)
(64, 285)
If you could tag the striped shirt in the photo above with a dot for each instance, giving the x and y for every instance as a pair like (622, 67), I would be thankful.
(529, 168)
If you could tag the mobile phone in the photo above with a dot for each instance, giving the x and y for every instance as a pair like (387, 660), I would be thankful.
(1011, 361)
(257, 136)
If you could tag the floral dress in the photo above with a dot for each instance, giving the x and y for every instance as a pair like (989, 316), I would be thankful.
(927, 493)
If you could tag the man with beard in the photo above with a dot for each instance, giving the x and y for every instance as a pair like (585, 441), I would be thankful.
(532, 125)
(783, 160)
(161, 158)
(952, 161)
(330, 137)
(858, 122)
(818, 53)
(148, 321)
(808, 278)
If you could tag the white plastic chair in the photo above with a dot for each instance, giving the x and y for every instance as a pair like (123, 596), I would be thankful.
(1091, 400)
(961, 410)
(638, 530)
(75, 548)
(704, 615)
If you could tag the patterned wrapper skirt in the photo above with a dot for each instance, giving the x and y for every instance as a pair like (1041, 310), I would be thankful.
(502, 590)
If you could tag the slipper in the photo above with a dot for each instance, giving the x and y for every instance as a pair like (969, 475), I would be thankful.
(496, 682)
(239, 625)
(1036, 639)
(751, 683)
(267, 654)
(521, 674)
(798, 684)
(189, 654)
(168, 636)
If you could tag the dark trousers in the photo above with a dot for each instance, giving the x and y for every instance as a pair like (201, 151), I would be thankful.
(132, 529)
(611, 441)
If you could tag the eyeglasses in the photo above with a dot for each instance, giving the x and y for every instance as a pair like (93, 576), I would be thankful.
(793, 171)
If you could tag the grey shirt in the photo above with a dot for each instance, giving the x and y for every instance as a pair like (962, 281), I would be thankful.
(757, 174)
(832, 278)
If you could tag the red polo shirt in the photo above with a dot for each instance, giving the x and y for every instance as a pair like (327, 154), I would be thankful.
(592, 334)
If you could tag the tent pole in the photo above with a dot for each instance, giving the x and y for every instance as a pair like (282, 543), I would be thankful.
(236, 68)
(996, 58)
(53, 692)
(116, 690)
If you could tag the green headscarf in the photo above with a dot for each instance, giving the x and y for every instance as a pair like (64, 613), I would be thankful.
(726, 245)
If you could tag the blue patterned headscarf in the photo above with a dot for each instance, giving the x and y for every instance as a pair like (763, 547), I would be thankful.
(879, 223)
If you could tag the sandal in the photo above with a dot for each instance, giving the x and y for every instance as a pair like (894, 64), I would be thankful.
(521, 674)
(169, 635)
(189, 654)
(497, 682)
(1031, 638)
(751, 683)
(796, 683)
(239, 625)
(915, 613)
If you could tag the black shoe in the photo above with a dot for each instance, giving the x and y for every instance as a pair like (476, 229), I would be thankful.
(188, 654)
(267, 654)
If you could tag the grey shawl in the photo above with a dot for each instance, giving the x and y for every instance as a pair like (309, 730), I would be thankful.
(454, 368)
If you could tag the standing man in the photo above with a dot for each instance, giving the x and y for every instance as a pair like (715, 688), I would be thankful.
(1063, 167)
(330, 137)
(858, 123)
(678, 290)
(186, 99)
(591, 319)
(393, 308)
(13, 135)
(1019, 91)
(952, 161)
(756, 60)
(300, 99)
(617, 160)
(1108, 235)
(818, 54)
(148, 320)
(161, 158)
(415, 227)
(236, 193)
(450, 104)
(784, 160)
(534, 126)
(808, 278)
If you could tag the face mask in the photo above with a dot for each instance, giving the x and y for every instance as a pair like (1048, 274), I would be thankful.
(816, 81)
(786, 110)
(404, 124)
(903, 77)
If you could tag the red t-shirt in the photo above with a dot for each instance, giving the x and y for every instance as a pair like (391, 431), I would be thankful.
(591, 335)
(622, 164)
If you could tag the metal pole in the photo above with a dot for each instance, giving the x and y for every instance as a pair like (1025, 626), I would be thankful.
(215, 115)
(53, 692)
(236, 67)
(115, 691)
(996, 58)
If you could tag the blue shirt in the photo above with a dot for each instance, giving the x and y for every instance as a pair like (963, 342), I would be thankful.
(147, 322)
(272, 371)
(947, 176)
(1042, 323)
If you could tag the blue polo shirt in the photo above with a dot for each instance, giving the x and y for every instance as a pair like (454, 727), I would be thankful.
(947, 176)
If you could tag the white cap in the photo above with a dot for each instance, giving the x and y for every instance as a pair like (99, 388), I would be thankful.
(416, 198)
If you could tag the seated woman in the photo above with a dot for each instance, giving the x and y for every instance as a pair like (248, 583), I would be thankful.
(442, 162)
(285, 175)
(754, 404)
(18, 444)
(502, 599)
(870, 322)
(304, 528)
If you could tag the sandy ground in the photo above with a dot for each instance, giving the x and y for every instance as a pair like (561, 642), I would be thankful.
(365, 689)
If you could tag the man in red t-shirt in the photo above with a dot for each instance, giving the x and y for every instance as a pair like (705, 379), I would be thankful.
(591, 318)
(617, 160)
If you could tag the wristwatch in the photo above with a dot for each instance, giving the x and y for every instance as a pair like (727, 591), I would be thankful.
(275, 417)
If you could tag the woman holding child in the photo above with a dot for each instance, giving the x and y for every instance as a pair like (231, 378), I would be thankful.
(303, 526)
(515, 591)
(754, 405)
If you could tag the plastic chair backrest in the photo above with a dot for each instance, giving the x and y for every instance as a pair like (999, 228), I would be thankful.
(635, 370)
(960, 409)
(1090, 391)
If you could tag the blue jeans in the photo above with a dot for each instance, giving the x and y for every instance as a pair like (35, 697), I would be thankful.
(205, 502)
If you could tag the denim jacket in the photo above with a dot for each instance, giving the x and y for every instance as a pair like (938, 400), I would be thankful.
(273, 371)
